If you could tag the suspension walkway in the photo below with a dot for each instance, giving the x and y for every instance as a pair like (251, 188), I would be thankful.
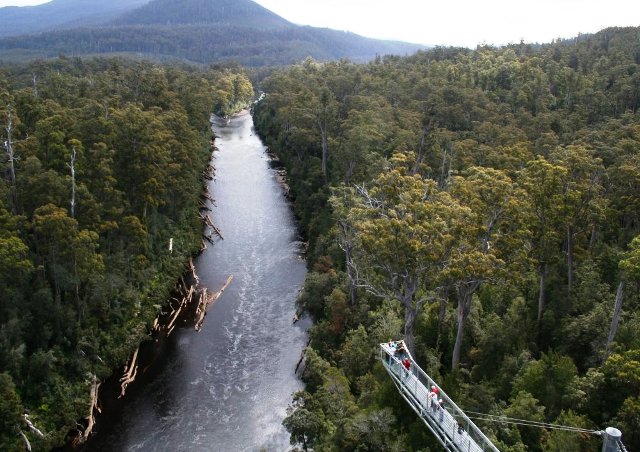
(449, 424)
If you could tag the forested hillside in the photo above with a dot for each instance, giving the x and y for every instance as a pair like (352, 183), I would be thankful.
(482, 205)
(103, 162)
(202, 31)
(59, 14)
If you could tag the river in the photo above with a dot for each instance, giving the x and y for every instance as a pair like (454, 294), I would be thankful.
(227, 388)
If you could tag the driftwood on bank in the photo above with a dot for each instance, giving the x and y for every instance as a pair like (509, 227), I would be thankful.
(93, 408)
(32, 427)
(130, 372)
(209, 172)
(281, 178)
(206, 301)
(207, 221)
(176, 313)
(302, 356)
(27, 444)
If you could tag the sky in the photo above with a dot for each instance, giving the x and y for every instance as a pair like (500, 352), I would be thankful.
(454, 22)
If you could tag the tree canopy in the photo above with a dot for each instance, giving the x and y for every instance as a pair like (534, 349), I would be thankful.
(484, 202)
(103, 164)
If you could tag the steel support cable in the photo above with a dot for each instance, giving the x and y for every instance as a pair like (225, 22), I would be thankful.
(526, 422)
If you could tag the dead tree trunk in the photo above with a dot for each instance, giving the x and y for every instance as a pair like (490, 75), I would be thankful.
(325, 147)
(93, 408)
(411, 310)
(11, 157)
(32, 427)
(72, 165)
(441, 314)
(465, 293)
(541, 295)
(34, 81)
(615, 320)
(347, 246)
(206, 301)
(570, 235)
(27, 444)
(130, 373)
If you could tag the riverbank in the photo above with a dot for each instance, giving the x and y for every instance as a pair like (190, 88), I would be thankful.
(231, 383)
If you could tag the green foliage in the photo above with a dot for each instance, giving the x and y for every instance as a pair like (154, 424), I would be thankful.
(492, 192)
(548, 380)
(559, 440)
(92, 280)
(10, 414)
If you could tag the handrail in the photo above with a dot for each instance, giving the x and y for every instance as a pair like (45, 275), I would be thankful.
(416, 383)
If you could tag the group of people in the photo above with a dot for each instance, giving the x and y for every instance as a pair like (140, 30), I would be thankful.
(436, 404)
(397, 349)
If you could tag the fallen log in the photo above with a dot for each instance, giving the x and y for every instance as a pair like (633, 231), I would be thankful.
(32, 427)
(130, 373)
(27, 444)
(207, 196)
(194, 275)
(206, 301)
(302, 356)
(207, 221)
(217, 231)
(93, 407)
(175, 314)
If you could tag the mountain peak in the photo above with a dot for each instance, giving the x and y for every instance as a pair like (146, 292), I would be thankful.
(239, 13)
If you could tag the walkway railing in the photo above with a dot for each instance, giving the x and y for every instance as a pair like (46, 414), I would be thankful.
(454, 430)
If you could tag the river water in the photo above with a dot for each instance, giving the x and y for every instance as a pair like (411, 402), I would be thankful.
(227, 388)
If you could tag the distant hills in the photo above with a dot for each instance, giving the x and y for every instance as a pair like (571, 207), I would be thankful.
(61, 14)
(202, 31)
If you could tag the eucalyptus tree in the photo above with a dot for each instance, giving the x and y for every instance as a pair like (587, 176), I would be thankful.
(582, 202)
(404, 229)
(493, 234)
(543, 183)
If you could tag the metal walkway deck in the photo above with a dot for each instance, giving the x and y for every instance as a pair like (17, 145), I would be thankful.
(414, 386)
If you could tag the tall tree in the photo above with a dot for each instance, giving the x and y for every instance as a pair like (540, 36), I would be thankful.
(491, 233)
(582, 204)
(543, 183)
(405, 228)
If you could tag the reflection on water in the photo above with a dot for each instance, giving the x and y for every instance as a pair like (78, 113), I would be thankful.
(227, 387)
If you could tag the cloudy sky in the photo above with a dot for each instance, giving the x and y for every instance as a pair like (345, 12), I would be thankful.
(454, 22)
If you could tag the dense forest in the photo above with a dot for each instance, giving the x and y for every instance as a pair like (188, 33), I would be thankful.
(103, 163)
(483, 205)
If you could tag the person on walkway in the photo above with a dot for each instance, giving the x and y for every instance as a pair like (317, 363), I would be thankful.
(433, 400)
(391, 346)
(441, 408)
(406, 363)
